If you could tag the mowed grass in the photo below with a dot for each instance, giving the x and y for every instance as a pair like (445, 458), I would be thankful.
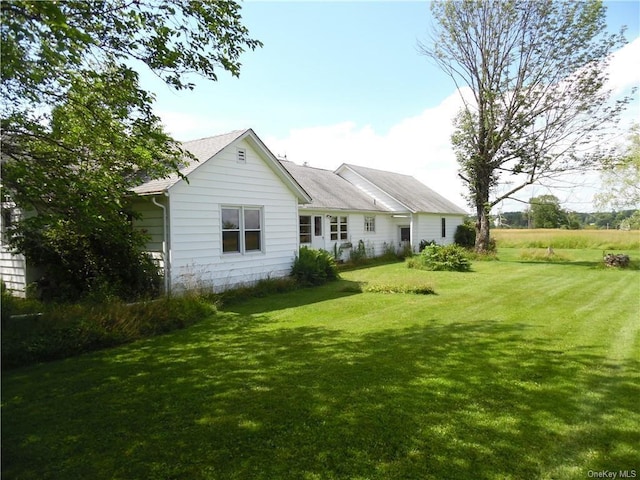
(516, 370)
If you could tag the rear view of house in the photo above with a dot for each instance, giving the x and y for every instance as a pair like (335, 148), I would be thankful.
(238, 215)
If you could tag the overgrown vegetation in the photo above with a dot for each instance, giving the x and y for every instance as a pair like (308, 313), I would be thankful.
(55, 331)
(314, 267)
(465, 235)
(441, 257)
(567, 239)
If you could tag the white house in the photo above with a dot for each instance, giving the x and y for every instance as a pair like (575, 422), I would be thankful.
(242, 214)
(382, 209)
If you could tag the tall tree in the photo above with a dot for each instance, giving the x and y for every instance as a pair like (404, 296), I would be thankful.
(545, 212)
(536, 70)
(621, 176)
(78, 131)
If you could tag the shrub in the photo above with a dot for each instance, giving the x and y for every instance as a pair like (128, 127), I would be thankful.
(424, 243)
(465, 235)
(358, 255)
(314, 267)
(441, 257)
(66, 330)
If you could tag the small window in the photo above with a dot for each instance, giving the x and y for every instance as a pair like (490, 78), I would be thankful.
(444, 227)
(370, 224)
(252, 229)
(241, 229)
(339, 229)
(241, 155)
(230, 230)
(305, 229)
(318, 226)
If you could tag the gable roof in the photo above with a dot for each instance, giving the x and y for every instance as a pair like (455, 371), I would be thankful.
(204, 149)
(405, 189)
(330, 191)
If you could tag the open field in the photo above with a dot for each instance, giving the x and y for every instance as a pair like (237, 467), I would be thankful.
(557, 238)
(516, 370)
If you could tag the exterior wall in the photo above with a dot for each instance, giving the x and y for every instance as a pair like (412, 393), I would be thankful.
(429, 227)
(424, 227)
(13, 267)
(197, 259)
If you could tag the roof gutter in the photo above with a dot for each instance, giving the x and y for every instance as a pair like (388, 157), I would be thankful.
(165, 246)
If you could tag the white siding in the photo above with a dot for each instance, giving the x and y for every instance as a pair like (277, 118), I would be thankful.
(197, 259)
(13, 267)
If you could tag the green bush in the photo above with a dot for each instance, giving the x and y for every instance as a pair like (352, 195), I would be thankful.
(441, 257)
(314, 267)
(465, 235)
(63, 331)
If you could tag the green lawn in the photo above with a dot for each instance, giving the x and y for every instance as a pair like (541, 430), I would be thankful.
(519, 370)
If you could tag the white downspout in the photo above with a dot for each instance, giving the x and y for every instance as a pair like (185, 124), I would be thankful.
(165, 253)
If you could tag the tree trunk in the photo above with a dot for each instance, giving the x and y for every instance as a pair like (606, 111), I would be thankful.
(483, 238)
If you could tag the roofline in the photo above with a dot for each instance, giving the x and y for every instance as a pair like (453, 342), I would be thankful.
(281, 172)
(346, 165)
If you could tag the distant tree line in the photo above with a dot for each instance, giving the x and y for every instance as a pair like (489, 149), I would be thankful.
(624, 219)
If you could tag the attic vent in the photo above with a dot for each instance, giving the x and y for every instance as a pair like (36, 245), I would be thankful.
(241, 155)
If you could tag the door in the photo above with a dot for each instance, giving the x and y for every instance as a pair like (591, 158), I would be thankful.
(405, 235)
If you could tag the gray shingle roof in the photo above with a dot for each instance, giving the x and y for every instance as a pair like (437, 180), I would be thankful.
(328, 190)
(203, 149)
(416, 196)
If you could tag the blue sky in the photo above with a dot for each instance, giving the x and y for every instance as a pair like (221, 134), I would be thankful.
(344, 82)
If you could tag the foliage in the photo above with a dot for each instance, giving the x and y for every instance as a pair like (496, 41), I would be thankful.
(67, 330)
(262, 288)
(621, 176)
(425, 243)
(536, 74)
(441, 257)
(545, 212)
(359, 254)
(543, 255)
(465, 235)
(78, 132)
(314, 267)
(395, 288)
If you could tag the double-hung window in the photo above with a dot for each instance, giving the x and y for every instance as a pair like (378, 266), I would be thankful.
(241, 229)
(338, 228)
(305, 228)
(370, 224)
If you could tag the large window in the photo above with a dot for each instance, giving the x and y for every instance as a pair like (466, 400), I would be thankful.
(241, 229)
(370, 224)
(305, 228)
(339, 230)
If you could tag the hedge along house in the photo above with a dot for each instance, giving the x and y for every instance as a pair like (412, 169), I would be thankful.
(373, 208)
(234, 221)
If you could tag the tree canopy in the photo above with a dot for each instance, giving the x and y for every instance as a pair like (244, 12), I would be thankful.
(78, 131)
(538, 103)
(621, 176)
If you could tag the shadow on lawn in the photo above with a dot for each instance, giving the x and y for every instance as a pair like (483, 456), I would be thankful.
(461, 400)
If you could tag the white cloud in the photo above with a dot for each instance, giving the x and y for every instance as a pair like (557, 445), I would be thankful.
(624, 70)
(417, 146)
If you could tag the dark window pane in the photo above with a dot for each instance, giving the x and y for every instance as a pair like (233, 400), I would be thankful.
(252, 240)
(317, 226)
(231, 241)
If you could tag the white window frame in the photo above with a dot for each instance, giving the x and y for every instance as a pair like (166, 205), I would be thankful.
(341, 231)
(242, 229)
(308, 226)
(370, 224)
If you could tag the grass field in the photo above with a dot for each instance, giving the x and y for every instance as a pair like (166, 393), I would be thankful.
(570, 239)
(516, 370)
